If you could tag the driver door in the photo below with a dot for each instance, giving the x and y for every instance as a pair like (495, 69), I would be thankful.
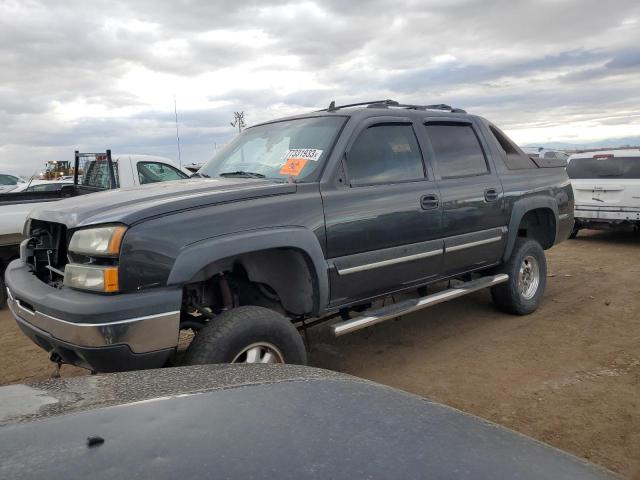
(383, 219)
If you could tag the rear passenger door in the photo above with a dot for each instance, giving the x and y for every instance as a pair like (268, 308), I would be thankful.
(472, 196)
(382, 214)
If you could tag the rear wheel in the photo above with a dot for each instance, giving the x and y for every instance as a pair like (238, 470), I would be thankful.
(247, 335)
(527, 270)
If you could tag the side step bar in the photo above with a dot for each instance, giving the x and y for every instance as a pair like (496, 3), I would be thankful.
(409, 306)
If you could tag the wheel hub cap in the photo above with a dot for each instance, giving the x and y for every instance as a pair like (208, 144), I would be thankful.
(529, 277)
(261, 352)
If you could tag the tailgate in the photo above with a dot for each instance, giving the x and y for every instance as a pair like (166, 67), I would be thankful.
(601, 193)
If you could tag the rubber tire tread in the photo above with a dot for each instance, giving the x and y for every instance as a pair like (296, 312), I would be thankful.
(230, 332)
(505, 295)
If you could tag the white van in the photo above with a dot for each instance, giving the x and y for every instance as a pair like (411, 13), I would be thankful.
(606, 187)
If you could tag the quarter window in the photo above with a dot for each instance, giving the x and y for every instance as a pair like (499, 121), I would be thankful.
(457, 150)
(385, 154)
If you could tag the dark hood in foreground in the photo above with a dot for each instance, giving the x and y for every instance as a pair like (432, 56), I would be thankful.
(262, 421)
(130, 205)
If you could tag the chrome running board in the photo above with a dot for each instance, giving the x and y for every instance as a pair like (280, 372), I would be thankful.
(408, 306)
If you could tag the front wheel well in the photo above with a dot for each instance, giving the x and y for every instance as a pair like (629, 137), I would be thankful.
(540, 225)
(282, 279)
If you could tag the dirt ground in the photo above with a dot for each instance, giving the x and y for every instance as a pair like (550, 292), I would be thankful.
(568, 375)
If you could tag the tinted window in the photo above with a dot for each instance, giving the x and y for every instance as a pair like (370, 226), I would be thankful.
(457, 150)
(8, 180)
(604, 167)
(385, 154)
(152, 172)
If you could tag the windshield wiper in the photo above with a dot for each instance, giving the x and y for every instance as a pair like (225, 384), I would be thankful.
(198, 174)
(242, 174)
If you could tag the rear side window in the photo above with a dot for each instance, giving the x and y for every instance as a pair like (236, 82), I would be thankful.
(153, 172)
(604, 167)
(385, 154)
(457, 150)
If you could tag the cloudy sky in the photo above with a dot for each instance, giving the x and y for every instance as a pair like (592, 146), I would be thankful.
(104, 74)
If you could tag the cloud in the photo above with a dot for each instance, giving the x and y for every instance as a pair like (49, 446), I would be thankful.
(101, 74)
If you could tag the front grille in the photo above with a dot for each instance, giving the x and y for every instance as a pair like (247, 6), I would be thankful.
(47, 250)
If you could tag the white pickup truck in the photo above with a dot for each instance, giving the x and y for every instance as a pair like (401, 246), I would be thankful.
(128, 171)
(606, 186)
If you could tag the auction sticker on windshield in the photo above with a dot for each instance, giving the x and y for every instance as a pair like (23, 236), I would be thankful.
(312, 154)
(293, 166)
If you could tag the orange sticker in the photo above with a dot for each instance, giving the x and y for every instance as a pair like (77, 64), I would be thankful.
(293, 166)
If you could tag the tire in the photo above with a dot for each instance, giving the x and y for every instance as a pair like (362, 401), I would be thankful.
(3, 290)
(523, 292)
(247, 335)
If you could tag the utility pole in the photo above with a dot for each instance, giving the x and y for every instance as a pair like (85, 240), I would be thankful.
(238, 121)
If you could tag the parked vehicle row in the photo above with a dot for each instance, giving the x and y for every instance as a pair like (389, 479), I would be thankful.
(299, 219)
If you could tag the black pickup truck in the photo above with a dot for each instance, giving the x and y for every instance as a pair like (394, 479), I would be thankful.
(298, 220)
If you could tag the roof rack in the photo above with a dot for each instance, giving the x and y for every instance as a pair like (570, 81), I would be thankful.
(392, 103)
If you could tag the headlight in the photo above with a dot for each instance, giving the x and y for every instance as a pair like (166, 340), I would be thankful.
(97, 279)
(97, 241)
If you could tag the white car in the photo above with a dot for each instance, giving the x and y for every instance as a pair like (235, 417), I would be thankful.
(545, 153)
(42, 185)
(9, 182)
(606, 187)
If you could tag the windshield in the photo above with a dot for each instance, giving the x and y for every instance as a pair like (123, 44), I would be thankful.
(292, 148)
(606, 167)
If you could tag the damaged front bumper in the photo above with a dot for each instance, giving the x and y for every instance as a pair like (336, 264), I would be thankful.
(103, 333)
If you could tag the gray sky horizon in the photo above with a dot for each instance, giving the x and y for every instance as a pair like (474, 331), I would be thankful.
(104, 74)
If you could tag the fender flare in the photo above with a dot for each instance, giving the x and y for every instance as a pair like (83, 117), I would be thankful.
(520, 209)
(194, 257)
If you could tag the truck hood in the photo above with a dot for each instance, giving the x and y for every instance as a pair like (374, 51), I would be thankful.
(134, 204)
(192, 421)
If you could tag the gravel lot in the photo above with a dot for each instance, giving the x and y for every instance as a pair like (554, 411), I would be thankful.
(568, 375)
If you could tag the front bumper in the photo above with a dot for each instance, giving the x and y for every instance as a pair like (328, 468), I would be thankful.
(99, 332)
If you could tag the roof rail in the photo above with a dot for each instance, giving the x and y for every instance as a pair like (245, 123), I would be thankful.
(392, 103)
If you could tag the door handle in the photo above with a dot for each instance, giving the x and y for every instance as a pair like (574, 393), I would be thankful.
(491, 195)
(429, 202)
